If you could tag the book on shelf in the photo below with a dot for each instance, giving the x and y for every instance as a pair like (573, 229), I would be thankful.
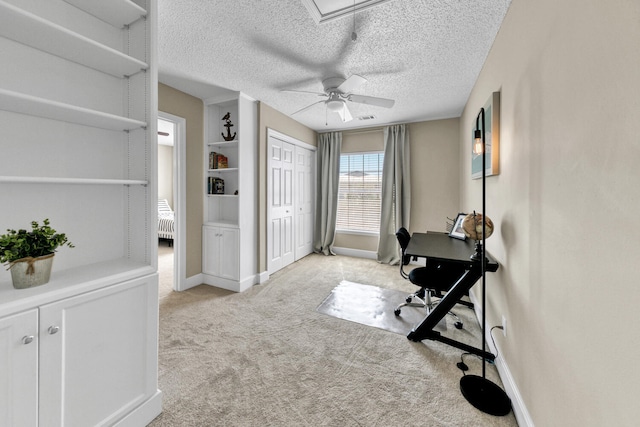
(215, 185)
(218, 161)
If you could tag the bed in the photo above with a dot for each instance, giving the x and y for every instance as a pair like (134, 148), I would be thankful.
(165, 221)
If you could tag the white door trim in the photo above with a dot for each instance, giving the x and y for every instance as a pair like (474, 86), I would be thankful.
(289, 139)
(180, 196)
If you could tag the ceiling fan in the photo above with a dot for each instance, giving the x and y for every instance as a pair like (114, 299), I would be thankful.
(338, 92)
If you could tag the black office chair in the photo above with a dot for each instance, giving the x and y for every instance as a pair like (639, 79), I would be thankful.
(433, 280)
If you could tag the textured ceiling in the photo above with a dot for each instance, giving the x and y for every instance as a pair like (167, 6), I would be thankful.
(424, 54)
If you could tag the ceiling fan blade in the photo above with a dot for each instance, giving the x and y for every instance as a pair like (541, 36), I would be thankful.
(345, 114)
(303, 91)
(371, 100)
(351, 84)
(307, 107)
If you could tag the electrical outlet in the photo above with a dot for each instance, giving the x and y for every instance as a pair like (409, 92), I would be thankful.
(504, 326)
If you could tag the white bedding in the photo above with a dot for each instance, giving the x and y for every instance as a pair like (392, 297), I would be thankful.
(165, 220)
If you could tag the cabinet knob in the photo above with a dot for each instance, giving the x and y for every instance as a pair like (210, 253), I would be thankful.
(53, 330)
(27, 339)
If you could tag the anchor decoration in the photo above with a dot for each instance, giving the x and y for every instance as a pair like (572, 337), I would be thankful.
(228, 125)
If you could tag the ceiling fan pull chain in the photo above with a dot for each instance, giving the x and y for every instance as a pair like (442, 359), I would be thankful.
(354, 36)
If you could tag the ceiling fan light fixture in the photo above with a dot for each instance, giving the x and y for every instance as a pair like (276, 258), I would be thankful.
(335, 105)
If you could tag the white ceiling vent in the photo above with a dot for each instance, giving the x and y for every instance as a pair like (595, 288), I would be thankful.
(371, 117)
(328, 10)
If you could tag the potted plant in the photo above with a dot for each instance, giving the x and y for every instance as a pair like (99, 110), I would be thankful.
(29, 254)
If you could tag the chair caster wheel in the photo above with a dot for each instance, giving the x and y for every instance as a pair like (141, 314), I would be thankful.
(458, 325)
(408, 299)
(396, 312)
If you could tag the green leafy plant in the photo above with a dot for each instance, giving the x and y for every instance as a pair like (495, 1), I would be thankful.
(41, 240)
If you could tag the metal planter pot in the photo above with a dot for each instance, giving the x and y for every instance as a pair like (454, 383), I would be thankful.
(29, 272)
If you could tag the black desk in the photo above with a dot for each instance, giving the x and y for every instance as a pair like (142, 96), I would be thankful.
(442, 248)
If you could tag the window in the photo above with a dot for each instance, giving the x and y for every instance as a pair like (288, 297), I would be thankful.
(359, 192)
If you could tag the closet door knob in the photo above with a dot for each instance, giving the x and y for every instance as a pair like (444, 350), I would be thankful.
(53, 330)
(27, 339)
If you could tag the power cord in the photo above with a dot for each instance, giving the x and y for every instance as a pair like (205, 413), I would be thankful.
(461, 365)
(464, 367)
(494, 339)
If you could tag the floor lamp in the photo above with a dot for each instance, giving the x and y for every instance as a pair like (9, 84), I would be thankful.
(479, 391)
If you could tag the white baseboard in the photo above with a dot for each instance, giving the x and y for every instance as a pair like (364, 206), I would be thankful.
(143, 414)
(510, 387)
(192, 282)
(358, 253)
(230, 285)
(263, 277)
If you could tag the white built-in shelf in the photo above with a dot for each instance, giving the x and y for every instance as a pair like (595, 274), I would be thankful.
(223, 195)
(34, 31)
(224, 143)
(118, 13)
(221, 223)
(80, 181)
(223, 170)
(35, 106)
(69, 282)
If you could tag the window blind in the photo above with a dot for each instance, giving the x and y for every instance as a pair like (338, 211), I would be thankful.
(359, 192)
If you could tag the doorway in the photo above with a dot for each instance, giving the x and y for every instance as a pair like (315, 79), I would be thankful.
(171, 186)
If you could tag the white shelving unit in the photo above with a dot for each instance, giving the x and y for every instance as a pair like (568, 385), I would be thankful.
(49, 109)
(230, 228)
(46, 180)
(39, 33)
(78, 114)
(117, 13)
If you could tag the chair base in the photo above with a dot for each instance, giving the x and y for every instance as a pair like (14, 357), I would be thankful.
(426, 304)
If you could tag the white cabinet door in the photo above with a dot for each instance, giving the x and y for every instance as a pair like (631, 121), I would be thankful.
(98, 354)
(221, 252)
(19, 369)
(210, 251)
(230, 253)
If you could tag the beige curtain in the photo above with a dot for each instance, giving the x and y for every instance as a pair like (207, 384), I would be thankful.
(396, 191)
(328, 162)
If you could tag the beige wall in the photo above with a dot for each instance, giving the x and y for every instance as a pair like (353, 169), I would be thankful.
(165, 173)
(565, 206)
(272, 119)
(180, 104)
(435, 176)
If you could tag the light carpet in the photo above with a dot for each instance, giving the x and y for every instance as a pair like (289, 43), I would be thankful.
(165, 268)
(266, 357)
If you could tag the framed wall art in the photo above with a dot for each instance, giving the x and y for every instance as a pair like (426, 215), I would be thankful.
(492, 140)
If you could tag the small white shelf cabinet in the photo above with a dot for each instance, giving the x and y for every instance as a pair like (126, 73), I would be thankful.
(220, 252)
(78, 118)
(234, 212)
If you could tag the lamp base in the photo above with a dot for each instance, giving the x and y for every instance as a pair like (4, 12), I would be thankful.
(485, 395)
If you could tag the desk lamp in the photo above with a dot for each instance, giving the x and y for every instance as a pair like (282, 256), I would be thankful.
(485, 395)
